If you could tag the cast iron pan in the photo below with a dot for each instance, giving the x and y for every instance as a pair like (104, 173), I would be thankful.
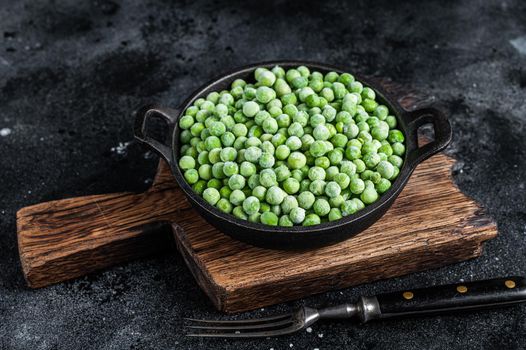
(296, 237)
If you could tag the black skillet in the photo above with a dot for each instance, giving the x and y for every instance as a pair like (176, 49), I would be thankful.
(296, 237)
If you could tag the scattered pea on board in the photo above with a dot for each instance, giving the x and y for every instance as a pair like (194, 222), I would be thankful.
(291, 148)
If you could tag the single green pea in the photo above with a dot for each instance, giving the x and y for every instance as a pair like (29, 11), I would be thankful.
(259, 192)
(395, 135)
(205, 171)
(331, 172)
(291, 185)
(224, 205)
(332, 189)
(317, 187)
(322, 162)
(371, 160)
(269, 218)
(321, 207)
(360, 165)
(275, 195)
(247, 169)
(296, 160)
(237, 197)
(211, 195)
(385, 169)
(199, 186)
(398, 149)
(236, 182)
(225, 192)
(266, 160)
(391, 121)
(318, 148)
(337, 201)
(335, 214)
(187, 162)
(278, 71)
(282, 88)
(311, 219)
(191, 176)
(357, 186)
(397, 161)
(267, 178)
(297, 215)
(383, 186)
(316, 173)
(369, 195)
(285, 221)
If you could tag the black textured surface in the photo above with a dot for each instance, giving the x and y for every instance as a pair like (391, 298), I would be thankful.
(71, 72)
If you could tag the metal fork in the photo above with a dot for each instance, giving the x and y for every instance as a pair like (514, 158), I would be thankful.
(415, 302)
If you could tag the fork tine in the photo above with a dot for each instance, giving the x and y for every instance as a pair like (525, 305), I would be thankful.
(238, 322)
(250, 326)
(271, 333)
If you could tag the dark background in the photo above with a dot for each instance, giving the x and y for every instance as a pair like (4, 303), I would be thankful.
(72, 71)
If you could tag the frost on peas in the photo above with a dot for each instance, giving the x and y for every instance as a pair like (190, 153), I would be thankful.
(287, 140)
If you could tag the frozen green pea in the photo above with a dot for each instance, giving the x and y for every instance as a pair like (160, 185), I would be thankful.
(239, 130)
(311, 220)
(321, 207)
(332, 189)
(236, 182)
(385, 169)
(283, 120)
(291, 185)
(386, 149)
(282, 152)
(191, 176)
(217, 170)
(269, 218)
(199, 186)
(282, 88)
(247, 169)
(211, 195)
(335, 214)
(225, 192)
(371, 160)
(275, 195)
(322, 162)
(254, 217)
(266, 160)
(266, 78)
(357, 186)
(270, 125)
(383, 186)
(296, 160)
(205, 171)
(259, 192)
(398, 149)
(187, 162)
(318, 148)
(331, 172)
(237, 197)
(228, 154)
(282, 173)
(267, 178)
(295, 129)
(186, 122)
(369, 195)
(395, 160)
(321, 132)
(391, 121)
(395, 136)
(360, 165)
(230, 168)
(251, 205)
(224, 205)
(316, 173)
(297, 215)
(317, 187)
(250, 108)
(285, 221)
(306, 199)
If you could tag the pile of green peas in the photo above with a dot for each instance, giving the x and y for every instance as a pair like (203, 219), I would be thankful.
(293, 148)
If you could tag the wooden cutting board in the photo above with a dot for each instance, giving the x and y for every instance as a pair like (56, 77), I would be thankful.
(431, 224)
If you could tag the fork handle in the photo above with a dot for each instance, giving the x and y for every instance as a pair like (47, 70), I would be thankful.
(445, 299)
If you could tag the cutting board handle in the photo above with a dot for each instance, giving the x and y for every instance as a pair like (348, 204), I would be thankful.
(68, 238)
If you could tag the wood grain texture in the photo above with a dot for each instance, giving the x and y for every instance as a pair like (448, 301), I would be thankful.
(431, 224)
(69, 238)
